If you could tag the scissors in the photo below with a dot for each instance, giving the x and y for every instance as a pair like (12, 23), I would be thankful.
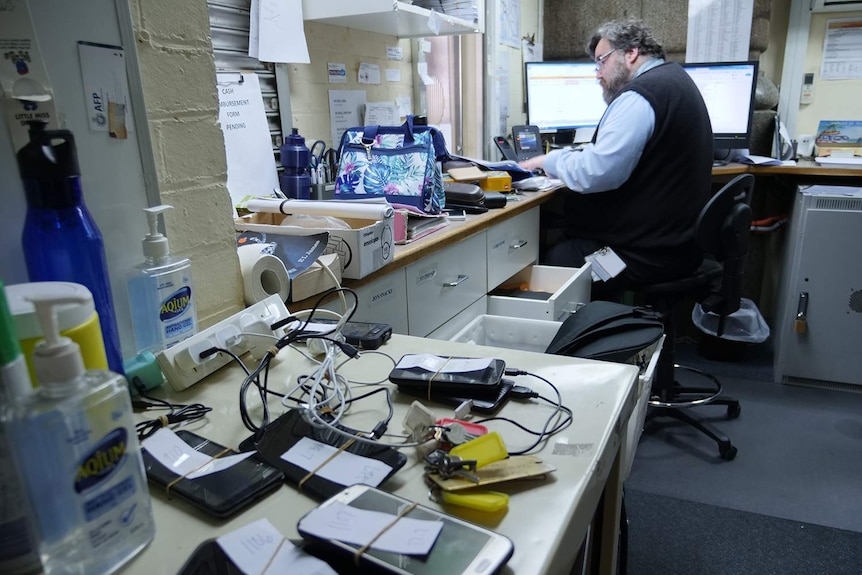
(316, 152)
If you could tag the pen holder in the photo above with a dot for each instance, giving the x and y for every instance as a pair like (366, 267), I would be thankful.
(318, 191)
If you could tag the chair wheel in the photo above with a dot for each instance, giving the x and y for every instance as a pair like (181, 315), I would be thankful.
(733, 411)
(727, 451)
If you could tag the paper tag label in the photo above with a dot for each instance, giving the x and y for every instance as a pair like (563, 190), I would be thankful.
(437, 364)
(182, 459)
(260, 548)
(345, 468)
(359, 526)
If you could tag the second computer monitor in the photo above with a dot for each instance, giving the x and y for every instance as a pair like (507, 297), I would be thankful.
(563, 97)
(728, 90)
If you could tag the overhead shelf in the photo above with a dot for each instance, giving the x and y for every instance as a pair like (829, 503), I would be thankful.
(389, 17)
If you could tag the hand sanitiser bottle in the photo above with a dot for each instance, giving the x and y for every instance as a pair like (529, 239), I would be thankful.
(61, 241)
(18, 549)
(160, 293)
(75, 446)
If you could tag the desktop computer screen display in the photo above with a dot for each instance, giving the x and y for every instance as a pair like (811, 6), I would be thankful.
(728, 91)
(563, 96)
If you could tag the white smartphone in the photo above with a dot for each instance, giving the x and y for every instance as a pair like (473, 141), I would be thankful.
(461, 547)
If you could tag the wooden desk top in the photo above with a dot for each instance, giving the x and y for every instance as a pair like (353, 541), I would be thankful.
(804, 172)
(803, 169)
(456, 231)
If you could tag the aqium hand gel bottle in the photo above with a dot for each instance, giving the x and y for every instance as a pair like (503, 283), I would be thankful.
(77, 451)
(161, 295)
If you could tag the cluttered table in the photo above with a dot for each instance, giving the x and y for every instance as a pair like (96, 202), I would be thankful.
(547, 517)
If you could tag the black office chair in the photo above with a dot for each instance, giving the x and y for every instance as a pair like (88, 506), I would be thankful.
(722, 231)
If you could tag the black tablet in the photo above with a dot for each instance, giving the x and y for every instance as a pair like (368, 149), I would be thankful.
(456, 376)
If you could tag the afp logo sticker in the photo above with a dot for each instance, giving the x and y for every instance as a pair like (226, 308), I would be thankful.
(98, 465)
(176, 304)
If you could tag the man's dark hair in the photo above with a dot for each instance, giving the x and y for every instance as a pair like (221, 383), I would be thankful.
(625, 35)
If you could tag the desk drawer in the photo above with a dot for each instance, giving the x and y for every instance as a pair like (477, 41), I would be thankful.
(512, 246)
(569, 288)
(442, 284)
(381, 301)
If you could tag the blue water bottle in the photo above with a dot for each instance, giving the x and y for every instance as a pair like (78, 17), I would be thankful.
(295, 181)
(61, 240)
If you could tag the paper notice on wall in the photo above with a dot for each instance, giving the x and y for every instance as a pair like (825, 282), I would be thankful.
(248, 146)
(106, 94)
(26, 89)
(337, 72)
(345, 111)
(381, 114)
(281, 32)
(369, 73)
(718, 30)
(254, 28)
(842, 50)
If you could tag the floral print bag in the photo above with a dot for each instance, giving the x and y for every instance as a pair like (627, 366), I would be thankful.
(400, 163)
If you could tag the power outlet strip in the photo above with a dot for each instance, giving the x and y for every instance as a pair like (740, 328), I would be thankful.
(182, 364)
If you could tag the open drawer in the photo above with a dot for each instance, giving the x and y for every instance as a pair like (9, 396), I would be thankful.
(542, 292)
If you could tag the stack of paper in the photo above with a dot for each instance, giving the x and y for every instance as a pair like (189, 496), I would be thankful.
(463, 9)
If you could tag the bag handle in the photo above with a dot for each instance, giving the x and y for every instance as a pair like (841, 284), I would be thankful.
(370, 132)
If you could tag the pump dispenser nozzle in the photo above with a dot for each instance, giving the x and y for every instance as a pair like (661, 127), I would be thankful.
(155, 243)
(58, 359)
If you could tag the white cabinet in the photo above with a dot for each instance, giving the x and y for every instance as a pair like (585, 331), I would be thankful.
(512, 246)
(401, 19)
(382, 300)
(443, 283)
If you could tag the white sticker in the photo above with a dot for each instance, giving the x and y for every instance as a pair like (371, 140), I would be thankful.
(343, 467)
(359, 526)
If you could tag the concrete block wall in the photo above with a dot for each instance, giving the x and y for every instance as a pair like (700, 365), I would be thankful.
(178, 72)
(569, 24)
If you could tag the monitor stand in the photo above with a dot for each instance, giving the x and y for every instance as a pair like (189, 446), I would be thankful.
(717, 163)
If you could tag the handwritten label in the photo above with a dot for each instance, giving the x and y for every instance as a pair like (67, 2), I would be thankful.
(260, 548)
(183, 459)
(437, 364)
(358, 526)
(345, 468)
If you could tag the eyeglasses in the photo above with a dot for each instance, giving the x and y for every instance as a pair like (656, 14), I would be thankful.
(600, 61)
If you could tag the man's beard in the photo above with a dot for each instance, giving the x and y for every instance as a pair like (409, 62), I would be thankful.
(614, 81)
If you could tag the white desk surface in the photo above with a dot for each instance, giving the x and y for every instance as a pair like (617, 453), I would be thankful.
(547, 518)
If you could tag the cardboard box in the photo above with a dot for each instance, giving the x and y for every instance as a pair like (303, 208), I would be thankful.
(496, 181)
(365, 248)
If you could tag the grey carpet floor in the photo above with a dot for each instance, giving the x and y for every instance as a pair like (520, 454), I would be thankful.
(800, 453)
(670, 536)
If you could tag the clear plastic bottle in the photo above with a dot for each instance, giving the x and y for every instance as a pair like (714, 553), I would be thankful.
(161, 295)
(61, 241)
(18, 546)
(75, 446)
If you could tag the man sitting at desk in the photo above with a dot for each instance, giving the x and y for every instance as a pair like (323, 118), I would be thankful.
(639, 186)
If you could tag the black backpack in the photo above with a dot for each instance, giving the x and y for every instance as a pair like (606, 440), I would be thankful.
(608, 331)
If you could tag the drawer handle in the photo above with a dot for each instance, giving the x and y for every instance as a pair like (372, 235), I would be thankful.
(461, 279)
(519, 245)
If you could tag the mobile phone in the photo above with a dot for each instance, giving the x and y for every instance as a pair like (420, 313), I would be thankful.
(484, 405)
(219, 494)
(362, 335)
(505, 148)
(456, 213)
(461, 548)
(446, 376)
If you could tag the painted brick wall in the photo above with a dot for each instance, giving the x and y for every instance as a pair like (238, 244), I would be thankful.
(176, 62)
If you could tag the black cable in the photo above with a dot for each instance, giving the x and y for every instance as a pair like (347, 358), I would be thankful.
(547, 431)
(177, 413)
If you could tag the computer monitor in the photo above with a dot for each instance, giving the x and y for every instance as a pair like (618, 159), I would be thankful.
(563, 97)
(728, 90)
